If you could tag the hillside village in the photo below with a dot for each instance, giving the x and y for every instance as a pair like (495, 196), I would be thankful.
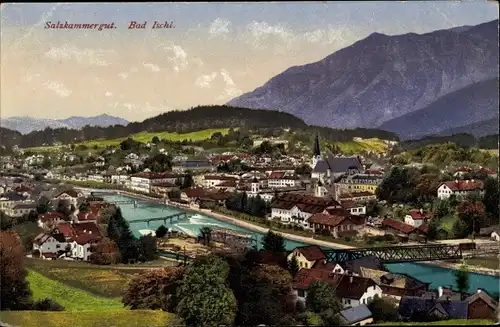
(330, 197)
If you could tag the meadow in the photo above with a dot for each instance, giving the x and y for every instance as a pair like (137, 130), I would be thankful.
(443, 322)
(115, 318)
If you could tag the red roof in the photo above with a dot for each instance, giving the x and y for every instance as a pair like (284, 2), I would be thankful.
(229, 157)
(353, 287)
(356, 194)
(487, 171)
(194, 192)
(87, 228)
(66, 230)
(326, 219)
(86, 238)
(305, 277)
(424, 228)
(398, 225)
(50, 216)
(464, 185)
(220, 178)
(22, 189)
(311, 252)
(277, 175)
(464, 170)
(417, 215)
(322, 265)
(86, 216)
(152, 175)
(164, 184)
(373, 172)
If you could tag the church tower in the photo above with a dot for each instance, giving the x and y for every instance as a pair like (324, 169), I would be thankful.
(316, 152)
(255, 185)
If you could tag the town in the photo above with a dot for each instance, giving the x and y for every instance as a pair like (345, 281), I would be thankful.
(267, 164)
(352, 215)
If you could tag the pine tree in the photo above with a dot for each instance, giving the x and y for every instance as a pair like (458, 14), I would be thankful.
(293, 266)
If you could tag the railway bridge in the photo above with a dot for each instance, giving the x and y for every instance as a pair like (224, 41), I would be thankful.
(397, 254)
(171, 218)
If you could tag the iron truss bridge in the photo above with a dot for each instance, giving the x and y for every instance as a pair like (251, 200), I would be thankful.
(172, 218)
(395, 254)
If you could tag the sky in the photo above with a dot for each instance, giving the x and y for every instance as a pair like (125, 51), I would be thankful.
(213, 53)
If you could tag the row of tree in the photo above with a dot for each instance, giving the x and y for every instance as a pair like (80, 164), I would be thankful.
(254, 206)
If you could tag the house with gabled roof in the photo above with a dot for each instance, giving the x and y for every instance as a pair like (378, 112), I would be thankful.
(459, 188)
(50, 245)
(356, 316)
(418, 217)
(307, 256)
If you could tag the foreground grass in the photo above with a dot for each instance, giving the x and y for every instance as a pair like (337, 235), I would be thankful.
(485, 262)
(117, 318)
(73, 299)
(103, 282)
(444, 322)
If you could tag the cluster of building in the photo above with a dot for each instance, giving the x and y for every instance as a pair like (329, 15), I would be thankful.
(360, 281)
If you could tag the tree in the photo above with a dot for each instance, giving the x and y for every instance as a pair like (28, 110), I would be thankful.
(304, 169)
(384, 310)
(266, 296)
(129, 144)
(158, 163)
(154, 289)
(293, 266)
(47, 305)
(491, 198)
(119, 231)
(471, 215)
(15, 293)
(105, 253)
(42, 208)
(161, 231)
(206, 235)
(273, 242)
(155, 140)
(205, 298)
(321, 299)
(432, 231)
(147, 248)
(187, 181)
(462, 279)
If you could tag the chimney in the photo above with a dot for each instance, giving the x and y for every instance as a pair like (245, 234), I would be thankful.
(350, 279)
(421, 211)
(440, 291)
(472, 181)
(328, 172)
(467, 182)
(456, 181)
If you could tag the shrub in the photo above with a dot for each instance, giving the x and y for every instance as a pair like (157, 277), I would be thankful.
(47, 305)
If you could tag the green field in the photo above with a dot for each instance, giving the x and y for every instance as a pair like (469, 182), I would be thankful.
(116, 318)
(353, 147)
(146, 137)
(71, 298)
(100, 281)
(140, 137)
(444, 322)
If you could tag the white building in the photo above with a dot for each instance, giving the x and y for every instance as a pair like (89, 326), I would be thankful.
(120, 179)
(460, 188)
(417, 217)
(49, 243)
(280, 179)
(211, 181)
(143, 182)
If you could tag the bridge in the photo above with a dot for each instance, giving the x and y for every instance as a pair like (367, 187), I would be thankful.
(396, 254)
(172, 218)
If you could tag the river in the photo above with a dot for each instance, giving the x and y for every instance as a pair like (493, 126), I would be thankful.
(437, 276)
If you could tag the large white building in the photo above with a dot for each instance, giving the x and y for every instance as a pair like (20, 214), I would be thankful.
(460, 188)
(143, 182)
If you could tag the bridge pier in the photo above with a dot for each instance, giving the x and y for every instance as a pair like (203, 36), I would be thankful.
(135, 204)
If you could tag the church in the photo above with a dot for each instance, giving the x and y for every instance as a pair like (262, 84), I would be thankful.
(325, 171)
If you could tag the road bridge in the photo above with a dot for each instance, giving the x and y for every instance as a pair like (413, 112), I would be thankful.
(171, 218)
(396, 254)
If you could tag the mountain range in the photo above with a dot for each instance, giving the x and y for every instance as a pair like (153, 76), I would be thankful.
(407, 84)
(27, 124)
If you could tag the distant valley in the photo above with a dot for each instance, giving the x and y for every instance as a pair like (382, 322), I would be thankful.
(393, 82)
(26, 124)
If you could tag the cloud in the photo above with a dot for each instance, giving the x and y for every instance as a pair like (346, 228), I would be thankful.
(85, 56)
(134, 107)
(315, 36)
(108, 94)
(123, 75)
(204, 80)
(231, 90)
(154, 68)
(58, 88)
(262, 31)
(219, 26)
(179, 58)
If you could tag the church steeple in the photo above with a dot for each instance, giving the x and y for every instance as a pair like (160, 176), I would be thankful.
(317, 152)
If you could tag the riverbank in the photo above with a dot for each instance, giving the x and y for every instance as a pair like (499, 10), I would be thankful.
(456, 266)
(232, 220)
